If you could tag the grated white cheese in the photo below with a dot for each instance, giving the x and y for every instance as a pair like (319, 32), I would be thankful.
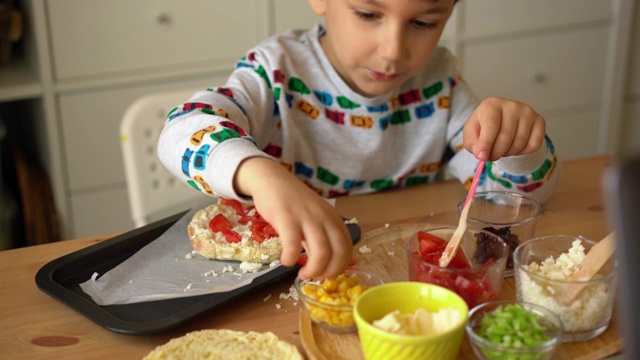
(351, 221)
(267, 298)
(249, 267)
(293, 294)
(364, 249)
(210, 273)
(189, 287)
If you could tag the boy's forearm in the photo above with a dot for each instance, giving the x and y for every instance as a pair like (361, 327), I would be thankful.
(252, 172)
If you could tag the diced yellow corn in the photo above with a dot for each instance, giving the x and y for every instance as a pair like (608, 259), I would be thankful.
(343, 290)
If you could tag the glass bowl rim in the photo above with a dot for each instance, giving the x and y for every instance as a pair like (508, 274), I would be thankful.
(411, 255)
(518, 266)
(507, 193)
(477, 340)
(333, 307)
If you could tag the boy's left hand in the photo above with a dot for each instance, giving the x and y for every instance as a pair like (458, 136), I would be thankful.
(501, 127)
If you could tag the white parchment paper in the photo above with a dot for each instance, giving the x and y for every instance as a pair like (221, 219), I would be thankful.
(165, 269)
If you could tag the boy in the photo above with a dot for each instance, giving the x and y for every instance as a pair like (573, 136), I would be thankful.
(366, 103)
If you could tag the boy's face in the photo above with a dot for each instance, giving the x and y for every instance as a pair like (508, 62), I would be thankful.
(376, 45)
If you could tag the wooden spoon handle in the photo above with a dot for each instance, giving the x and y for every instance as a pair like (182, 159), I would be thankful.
(454, 242)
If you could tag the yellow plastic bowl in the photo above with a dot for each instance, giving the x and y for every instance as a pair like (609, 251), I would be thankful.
(407, 297)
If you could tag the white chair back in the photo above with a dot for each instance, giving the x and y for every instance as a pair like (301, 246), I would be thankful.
(154, 193)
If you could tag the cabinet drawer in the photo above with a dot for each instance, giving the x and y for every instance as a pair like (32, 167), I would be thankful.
(98, 37)
(91, 131)
(549, 71)
(490, 17)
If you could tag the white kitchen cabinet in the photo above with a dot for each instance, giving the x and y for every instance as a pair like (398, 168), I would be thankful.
(82, 62)
(559, 57)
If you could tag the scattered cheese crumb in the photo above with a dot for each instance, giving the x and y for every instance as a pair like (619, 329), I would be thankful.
(274, 263)
(189, 256)
(391, 253)
(278, 306)
(250, 267)
(351, 221)
(130, 281)
(364, 249)
(267, 298)
(228, 269)
(293, 294)
(210, 273)
(189, 287)
(387, 225)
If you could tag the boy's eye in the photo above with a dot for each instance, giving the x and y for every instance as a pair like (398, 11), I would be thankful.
(424, 24)
(365, 15)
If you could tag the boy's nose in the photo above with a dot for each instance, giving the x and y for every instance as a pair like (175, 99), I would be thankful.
(392, 45)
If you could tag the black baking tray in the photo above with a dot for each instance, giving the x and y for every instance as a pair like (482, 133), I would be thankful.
(61, 279)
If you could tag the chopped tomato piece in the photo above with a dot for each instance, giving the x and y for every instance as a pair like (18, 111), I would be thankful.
(234, 204)
(220, 223)
(302, 259)
(471, 289)
(269, 231)
(459, 261)
(430, 243)
(231, 236)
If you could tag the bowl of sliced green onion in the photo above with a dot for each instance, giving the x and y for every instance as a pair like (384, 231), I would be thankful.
(511, 330)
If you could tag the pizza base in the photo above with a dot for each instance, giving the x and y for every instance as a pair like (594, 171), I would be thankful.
(214, 246)
(226, 344)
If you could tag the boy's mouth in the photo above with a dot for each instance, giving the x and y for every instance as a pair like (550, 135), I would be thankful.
(382, 76)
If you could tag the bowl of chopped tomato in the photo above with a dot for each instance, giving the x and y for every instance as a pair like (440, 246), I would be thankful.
(500, 330)
(476, 272)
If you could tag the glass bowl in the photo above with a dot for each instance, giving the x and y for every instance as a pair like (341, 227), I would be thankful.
(329, 303)
(551, 328)
(482, 278)
(543, 267)
(512, 216)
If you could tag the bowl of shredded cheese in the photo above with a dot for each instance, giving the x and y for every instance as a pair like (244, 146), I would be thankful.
(543, 270)
(410, 320)
(329, 303)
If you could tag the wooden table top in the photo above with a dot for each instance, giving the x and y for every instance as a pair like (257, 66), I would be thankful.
(37, 326)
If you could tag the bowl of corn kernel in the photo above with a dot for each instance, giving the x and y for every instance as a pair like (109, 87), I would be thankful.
(329, 303)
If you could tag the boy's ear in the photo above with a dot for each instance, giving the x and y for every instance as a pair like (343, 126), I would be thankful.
(318, 6)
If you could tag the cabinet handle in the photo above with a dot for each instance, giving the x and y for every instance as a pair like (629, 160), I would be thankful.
(163, 19)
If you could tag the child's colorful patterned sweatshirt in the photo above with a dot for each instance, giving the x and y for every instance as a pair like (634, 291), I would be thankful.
(284, 100)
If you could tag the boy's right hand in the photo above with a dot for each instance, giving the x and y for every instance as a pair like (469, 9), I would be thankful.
(301, 217)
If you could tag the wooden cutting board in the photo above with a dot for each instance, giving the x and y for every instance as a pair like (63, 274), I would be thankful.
(388, 260)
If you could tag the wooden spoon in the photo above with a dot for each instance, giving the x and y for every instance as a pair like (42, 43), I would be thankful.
(590, 266)
(454, 242)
